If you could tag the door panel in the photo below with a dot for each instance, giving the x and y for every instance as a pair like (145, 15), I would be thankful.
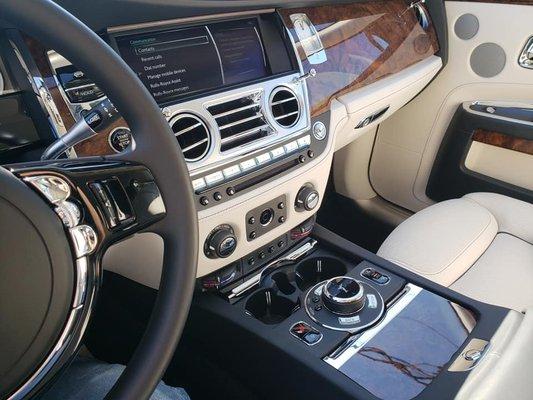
(484, 152)
(407, 144)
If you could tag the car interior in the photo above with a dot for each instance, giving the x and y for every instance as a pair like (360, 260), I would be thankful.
(267, 199)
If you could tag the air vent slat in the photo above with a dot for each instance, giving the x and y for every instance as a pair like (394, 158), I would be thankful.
(190, 128)
(240, 121)
(287, 115)
(275, 103)
(285, 107)
(236, 110)
(193, 146)
(192, 134)
(244, 134)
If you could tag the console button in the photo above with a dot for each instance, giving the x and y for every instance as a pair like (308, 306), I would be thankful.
(217, 196)
(305, 333)
(214, 178)
(278, 152)
(263, 158)
(231, 171)
(230, 191)
(204, 201)
(304, 141)
(248, 164)
(291, 146)
(198, 184)
(375, 276)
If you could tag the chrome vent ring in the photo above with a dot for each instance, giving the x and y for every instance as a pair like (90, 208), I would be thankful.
(192, 134)
(285, 106)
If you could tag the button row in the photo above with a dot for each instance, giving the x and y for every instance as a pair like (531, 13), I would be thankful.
(247, 165)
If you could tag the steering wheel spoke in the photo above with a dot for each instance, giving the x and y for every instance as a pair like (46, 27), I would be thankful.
(99, 201)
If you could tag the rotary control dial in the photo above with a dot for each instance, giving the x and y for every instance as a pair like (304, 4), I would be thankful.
(221, 242)
(343, 295)
(307, 198)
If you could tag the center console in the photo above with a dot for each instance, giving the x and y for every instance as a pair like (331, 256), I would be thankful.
(234, 93)
(350, 325)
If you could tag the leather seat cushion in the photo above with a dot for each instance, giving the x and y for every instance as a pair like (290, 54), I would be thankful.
(480, 245)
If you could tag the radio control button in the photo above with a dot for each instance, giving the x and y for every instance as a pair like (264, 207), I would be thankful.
(217, 196)
(248, 164)
(214, 178)
(230, 191)
(291, 146)
(198, 184)
(263, 158)
(278, 152)
(204, 201)
(304, 141)
(231, 171)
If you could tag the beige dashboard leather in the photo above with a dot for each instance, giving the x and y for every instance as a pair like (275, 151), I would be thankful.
(480, 245)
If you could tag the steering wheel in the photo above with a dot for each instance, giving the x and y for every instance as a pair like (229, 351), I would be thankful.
(57, 221)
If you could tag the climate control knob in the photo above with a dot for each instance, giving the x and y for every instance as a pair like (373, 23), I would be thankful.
(221, 242)
(343, 295)
(307, 198)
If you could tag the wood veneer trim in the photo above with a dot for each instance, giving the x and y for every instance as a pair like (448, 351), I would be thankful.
(503, 140)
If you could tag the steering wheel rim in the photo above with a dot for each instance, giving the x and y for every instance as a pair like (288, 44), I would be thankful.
(156, 148)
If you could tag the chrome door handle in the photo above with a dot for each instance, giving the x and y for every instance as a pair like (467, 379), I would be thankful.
(526, 57)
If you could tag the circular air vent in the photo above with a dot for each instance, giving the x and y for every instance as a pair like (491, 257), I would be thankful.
(285, 106)
(193, 136)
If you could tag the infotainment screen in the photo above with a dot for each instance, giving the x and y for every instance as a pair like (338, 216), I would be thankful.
(180, 62)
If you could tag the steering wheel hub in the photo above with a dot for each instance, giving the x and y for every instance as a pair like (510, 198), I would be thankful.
(36, 281)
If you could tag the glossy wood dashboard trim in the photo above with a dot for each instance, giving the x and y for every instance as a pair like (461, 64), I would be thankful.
(364, 42)
(502, 140)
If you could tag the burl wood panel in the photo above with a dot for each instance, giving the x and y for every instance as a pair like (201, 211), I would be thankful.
(364, 42)
(502, 140)
(95, 146)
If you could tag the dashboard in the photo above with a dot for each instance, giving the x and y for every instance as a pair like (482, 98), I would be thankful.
(259, 100)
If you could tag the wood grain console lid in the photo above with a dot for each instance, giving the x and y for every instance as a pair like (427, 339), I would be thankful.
(363, 42)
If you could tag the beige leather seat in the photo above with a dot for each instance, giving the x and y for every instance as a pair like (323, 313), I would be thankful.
(480, 245)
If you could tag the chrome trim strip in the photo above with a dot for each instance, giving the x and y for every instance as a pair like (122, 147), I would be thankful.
(355, 343)
(256, 279)
(176, 21)
(467, 104)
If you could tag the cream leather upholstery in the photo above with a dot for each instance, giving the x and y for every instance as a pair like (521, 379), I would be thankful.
(480, 245)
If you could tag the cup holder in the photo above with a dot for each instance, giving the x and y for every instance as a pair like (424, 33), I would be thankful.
(269, 307)
(315, 270)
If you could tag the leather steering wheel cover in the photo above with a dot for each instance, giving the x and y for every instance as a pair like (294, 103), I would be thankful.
(157, 148)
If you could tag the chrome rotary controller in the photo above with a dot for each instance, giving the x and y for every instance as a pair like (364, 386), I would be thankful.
(345, 304)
